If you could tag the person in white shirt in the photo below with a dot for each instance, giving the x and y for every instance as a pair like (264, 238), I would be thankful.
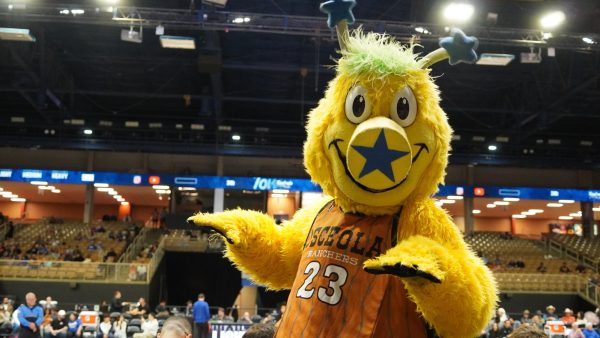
(105, 328)
(149, 327)
(120, 328)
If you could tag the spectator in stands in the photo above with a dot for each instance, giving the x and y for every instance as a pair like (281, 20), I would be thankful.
(220, 317)
(564, 268)
(74, 326)
(268, 319)
(49, 303)
(163, 217)
(525, 319)
(501, 317)
(507, 328)
(575, 332)
(528, 331)
(115, 304)
(154, 218)
(568, 317)
(580, 267)
(141, 309)
(7, 305)
(58, 327)
(162, 310)
(30, 317)
(541, 268)
(201, 316)
(176, 327)
(149, 327)
(495, 331)
(47, 321)
(189, 305)
(120, 327)
(589, 331)
(105, 328)
(5, 319)
(110, 254)
(550, 313)
(579, 319)
(10, 230)
(260, 331)
(537, 321)
(245, 319)
(279, 314)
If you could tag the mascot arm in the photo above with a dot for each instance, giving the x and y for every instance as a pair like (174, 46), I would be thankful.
(267, 252)
(451, 287)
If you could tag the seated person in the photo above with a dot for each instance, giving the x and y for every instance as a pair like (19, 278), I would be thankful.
(149, 327)
(245, 319)
(564, 268)
(220, 317)
(141, 309)
(105, 328)
(162, 310)
(58, 326)
(74, 326)
(110, 254)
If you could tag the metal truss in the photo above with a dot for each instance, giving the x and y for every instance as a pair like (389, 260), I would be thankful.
(285, 24)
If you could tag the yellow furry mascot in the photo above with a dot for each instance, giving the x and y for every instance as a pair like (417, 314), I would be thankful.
(380, 259)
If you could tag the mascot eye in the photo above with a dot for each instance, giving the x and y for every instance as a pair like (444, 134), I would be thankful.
(358, 107)
(404, 107)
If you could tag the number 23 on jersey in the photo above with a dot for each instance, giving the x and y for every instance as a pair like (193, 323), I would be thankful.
(332, 294)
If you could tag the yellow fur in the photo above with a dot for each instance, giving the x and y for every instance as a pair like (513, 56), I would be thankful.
(459, 306)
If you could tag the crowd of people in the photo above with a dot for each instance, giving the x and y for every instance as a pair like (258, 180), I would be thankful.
(579, 325)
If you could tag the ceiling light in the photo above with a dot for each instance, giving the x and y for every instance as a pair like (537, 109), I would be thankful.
(77, 11)
(588, 40)
(547, 35)
(501, 203)
(88, 131)
(494, 59)
(16, 34)
(279, 195)
(566, 201)
(519, 216)
(101, 185)
(103, 189)
(476, 212)
(537, 211)
(39, 183)
(511, 199)
(586, 143)
(455, 197)
(18, 199)
(528, 213)
(422, 30)
(186, 189)
(177, 42)
(113, 192)
(458, 12)
(240, 19)
(566, 218)
(554, 205)
(478, 138)
(236, 137)
(124, 203)
(575, 214)
(552, 19)
(117, 197)
(64, 12)
(280, 191)
(491, 206)
(160, 187)
(56, 191)
(448, 201)
(46, 187)
(1, 189)
(596, 209)
(6, 193)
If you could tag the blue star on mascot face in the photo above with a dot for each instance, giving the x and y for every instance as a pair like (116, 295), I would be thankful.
(379, 157)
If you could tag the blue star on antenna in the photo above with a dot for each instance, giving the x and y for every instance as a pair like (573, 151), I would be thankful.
(460, 48)
(338, 10)
(379, 157)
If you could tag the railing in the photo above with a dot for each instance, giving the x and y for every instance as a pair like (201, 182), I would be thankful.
(75, 271)
(144, 238)
(563, 250)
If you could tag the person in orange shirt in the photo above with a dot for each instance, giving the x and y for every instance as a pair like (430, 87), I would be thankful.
(568, 318)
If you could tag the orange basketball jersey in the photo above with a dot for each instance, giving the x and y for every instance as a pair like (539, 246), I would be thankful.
(333, 296)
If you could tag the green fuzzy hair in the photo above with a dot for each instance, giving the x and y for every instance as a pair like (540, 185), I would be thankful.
(376, 54)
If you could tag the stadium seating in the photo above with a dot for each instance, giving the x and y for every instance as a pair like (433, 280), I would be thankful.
(579, 248)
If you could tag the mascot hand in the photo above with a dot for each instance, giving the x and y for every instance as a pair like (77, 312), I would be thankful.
(416, 256)
(223, 223)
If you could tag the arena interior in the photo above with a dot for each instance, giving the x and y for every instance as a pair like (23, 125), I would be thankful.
(119, 119)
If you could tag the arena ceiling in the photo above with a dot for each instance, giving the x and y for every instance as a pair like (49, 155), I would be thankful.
(258, 78)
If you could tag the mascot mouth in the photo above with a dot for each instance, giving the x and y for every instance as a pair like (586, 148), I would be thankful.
(342, 158)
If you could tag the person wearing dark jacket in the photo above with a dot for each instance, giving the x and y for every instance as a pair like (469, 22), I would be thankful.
(115, 304)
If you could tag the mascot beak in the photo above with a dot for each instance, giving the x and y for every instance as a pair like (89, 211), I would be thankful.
(379, 155)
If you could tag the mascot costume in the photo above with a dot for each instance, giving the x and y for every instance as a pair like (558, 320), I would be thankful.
(379, 259)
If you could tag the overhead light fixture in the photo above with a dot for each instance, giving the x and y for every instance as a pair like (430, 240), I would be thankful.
(240, 20)
(501, 203)
(65, 12)
(39, 182)
(196, 126)
(479, 138)
(554, 141)
(554, 205)
(448, 201)
(566, 218)
(537, 211)
(77, 11)
(17, 119)
(547, 35)
(458, 12)
(493, 59)
(163, 192)
(5, 194)
(575, 214)
(236, 137)
(511, 199)
(588, 40)
(596, 209)
(155, 125)
(566, 201)
(586, 143)
(18, 199)
(279, 195)
(56, 191)
(280, 191)
(476, 212)
(132, 124)
(177, 42)
(124, 203)
(422, 30)
(491, 206)
(552, 20)
(528, 213)
(105, 189)
(46, 187)
(88, 131)
(16, 34)
(117, 197)
(451, 197)
(492, 147)
(519, 216)
(101, 185)
(113, 192)
(161, 187)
